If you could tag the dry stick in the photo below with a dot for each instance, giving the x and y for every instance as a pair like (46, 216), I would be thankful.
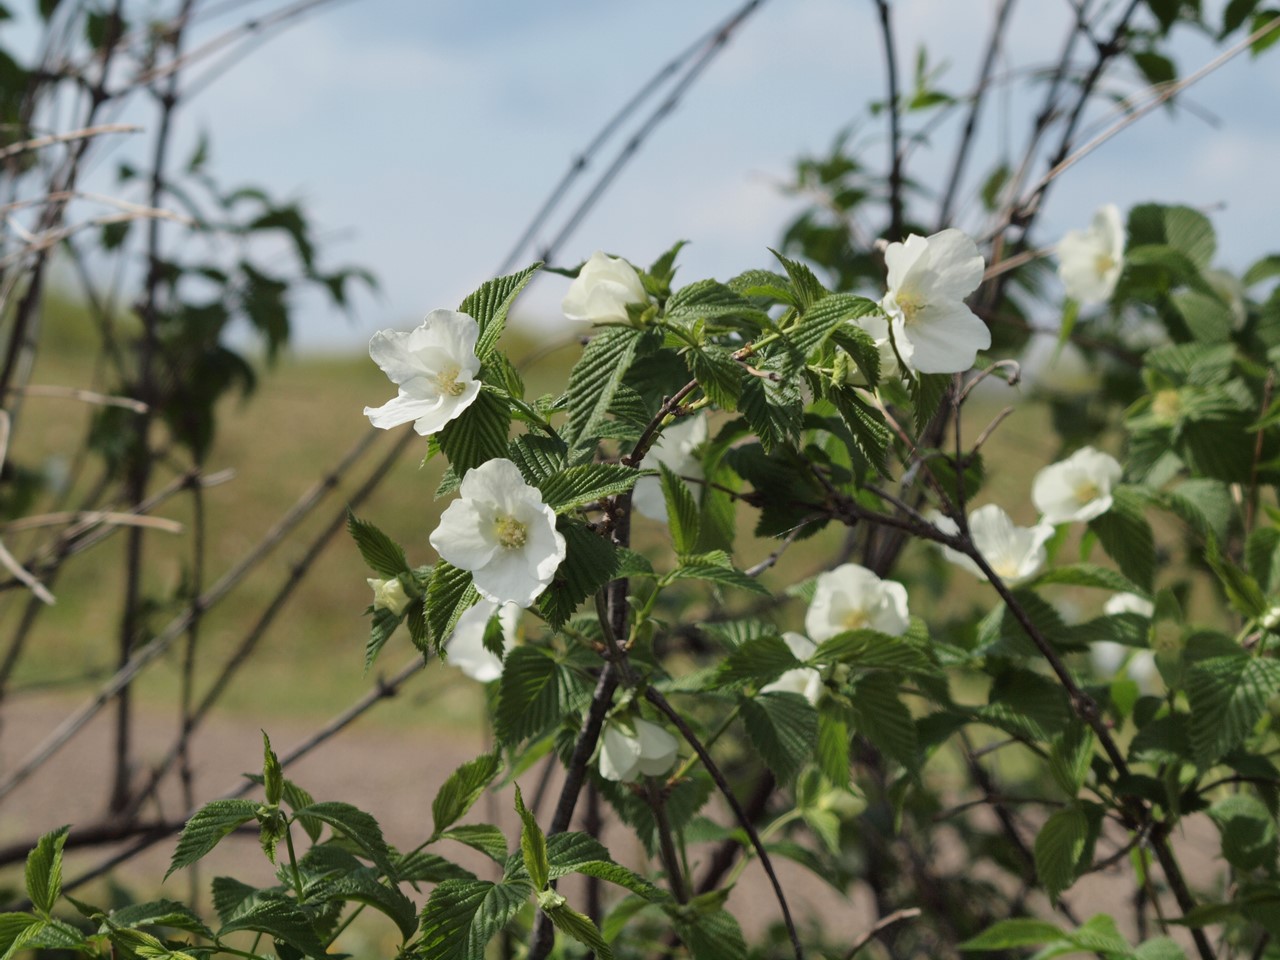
(93, 517)
(384, 690)
(153, 650)
(660, 113)
(881, 925)
(659, 701)
(39, 143)
(87, 396)
(583, 158)
(895, 134)
(250, 641)
(975, 109)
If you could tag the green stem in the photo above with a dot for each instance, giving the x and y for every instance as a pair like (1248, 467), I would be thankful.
(765, 834)
(293, 864)
(688, 764)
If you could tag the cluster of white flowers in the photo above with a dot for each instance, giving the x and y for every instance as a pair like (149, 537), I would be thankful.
(1090, 261)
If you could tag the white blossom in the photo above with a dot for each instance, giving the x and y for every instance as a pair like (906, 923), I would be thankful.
(677, 450)
(1014, 553)
(603, 288)
(389, 595)
(1090, 261)
(1077, 488)
(434, 366)
(465, 647)
(1108, 657)
(503, 533)
(1129, 603)
(805, 681)
(851, 597)
(929, 278)
(634, 749)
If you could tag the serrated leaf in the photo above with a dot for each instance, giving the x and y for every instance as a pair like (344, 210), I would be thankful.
(810, 334)
(1126, 535)
(614, 873)
(758, 660)
(783, 727)
(1069, 758)
(485, 837)
(1227, 696)
(880, 715)
(1027, 703)
(534, 692)
(868, 649)
(713, 936)
(207, 827)
(1248, 831)
(587, 483)
(808, 288)
(423, 867)
(462, 916)
(490, 305)
(463, 788)
(384, 625)
(13, 931)
(595, 379)
(1085, 575)
(772, 409)
(383, 555)
(272, 774)
(695, 568)
(866, 426)
(363, 886)
(533, 845)
(449, 594)
(478, 434)
(927, 392)
(709, 300)
(682, 511)
(359, 827)
(230, 896)
(590, 562)
(159, 913)
(718, 374)
(44, 870)
(537, 457)
(281, 919)
(573, 924)
(1058, 847)
(1016, 932)
(51, 934)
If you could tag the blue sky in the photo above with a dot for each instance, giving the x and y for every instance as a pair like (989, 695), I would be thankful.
(422, 136)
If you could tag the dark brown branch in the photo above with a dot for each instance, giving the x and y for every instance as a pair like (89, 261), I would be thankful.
(896, 216)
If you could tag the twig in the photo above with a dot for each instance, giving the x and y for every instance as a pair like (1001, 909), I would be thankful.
(24, 576)
(756, 569)
(92, 518)
(895, 136)
(659, 701)
(39, 143)
(87, 396)
(884, 923)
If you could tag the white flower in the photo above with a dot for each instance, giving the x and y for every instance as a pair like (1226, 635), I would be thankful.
(929, 279)
(643, 749)
(603, 288)
(676, 449)
(1108, 657)
(434, 366)
(503, 533)
(1129, 603)
(805, 681)
(1014, 553)
(389, 595)
(851, 597)
(1077, 488)
(1090, 261)
(465, 647)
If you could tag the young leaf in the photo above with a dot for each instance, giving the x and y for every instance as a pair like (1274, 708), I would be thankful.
(533, 693)
(1248, 831)
(1058, 847)
(358, 826)
(281, 919)
(462, 916)
(590, 562)
(44, 870)
(383, 555)
(533, 845)
(705, 567)
(760, 660)
(587, 483)
(449, 595)
(478, 434)
(820, 320)
(463, 788)
(682, 511)
(881, 717)
(207, 827)
(595, 379)
(490, 305)
(363, 886)
(808, 288)
(573, 924)
(783, 727)
(1227, 696)
(1016, 932)
(1126, 535)
(484, 837)
(272, 774)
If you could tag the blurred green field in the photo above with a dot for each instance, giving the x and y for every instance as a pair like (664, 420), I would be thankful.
(305, 414)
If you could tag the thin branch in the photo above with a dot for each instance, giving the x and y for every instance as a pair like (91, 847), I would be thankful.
(881, 925)
(659, 701)
(86, 396)
(88, 518)
(896, 217)
(39, 143)
(24, 576)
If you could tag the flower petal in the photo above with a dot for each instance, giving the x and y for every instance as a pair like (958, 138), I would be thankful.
(944, 337)
(619, 755)
(465, 536)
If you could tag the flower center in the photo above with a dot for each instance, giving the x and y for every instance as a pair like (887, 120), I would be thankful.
(910, 303)
(1007, 569)
(1103, 262)
(1086, 491)
(1166, 404)
(511, 533)
(447, 381)
(856, 620)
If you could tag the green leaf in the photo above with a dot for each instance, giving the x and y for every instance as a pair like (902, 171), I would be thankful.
(927, 393)
(272, 774)
(1028, 704)
(820, 320)
(808, 289)
(359, 827)
(423, 867)
(384, 625)
(1126, 535)
(698, 567)
(1248, 831)
(1058, 849)
(1241, 589)
(595, 379)
(478, 434)
(159, 913)
(881, 716)
(682, 511)
(207, 827)
(281, 919)
(1016, 932)
(484, 837)
(714, 935)
(870, 650)
(573, 924)
(1206, 316)
(490, 305)
(1159, 948)
(383, 555)
(1227, 695)
(462, 916)
(25, 932)
(590, 562)
(587, 483)
(709, 300)
(1262, 553)
(759, 660)
(363, 886)
(533, 694)
(537, 457)
(533, 845)
(1070, 756)
(449, 595)
(1086, 575)
(44, 870)
(773, 410)
(463, 788)
(718, 374)
(783, 727)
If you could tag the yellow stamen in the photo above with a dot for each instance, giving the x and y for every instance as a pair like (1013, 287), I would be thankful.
(447, 381)
(511, 533)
